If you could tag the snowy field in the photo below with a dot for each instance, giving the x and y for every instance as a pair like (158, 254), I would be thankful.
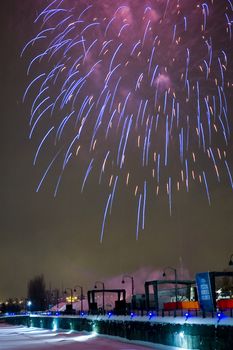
(18, 337)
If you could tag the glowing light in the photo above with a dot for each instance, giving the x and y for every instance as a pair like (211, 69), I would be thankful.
(84, 338)
(74, 298)
(181, 334)
(54, 326)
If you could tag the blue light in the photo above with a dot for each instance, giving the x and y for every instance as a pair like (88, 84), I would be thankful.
(82, 313)
(109, 314)
(220, 315)
(132, 315)
(150, 314)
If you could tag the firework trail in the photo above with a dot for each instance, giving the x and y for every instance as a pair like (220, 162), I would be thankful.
(139, 89)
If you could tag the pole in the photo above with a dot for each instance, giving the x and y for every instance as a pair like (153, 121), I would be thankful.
(71, 290)
(132, 282)
(176, 288)
(103, 293)
(103, 301)
(81, 299)
(132, 286)
(176, 291)
(57, 300)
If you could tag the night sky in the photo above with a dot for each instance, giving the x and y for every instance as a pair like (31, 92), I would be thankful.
(61, 237)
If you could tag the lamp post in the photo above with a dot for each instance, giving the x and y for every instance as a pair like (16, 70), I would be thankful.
(102, 283)
(231, 261)
(81, 289)
(132, 282)
(25, 305)
(71, 294)
(175, 273)
(55, 292)
(29, 303)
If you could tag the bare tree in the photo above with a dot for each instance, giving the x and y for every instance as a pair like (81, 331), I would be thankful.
(37, 293)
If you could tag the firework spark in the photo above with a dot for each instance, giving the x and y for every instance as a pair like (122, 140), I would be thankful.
(139, 89)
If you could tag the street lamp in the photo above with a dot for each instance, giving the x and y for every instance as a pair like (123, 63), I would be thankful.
(81, 289)
(175, 273)
(71, 294)
(102, 283)
(55, 292)
(132, 282)
(230, 261)
(28, 305)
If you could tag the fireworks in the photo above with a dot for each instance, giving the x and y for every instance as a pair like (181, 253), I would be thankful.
(136, 92)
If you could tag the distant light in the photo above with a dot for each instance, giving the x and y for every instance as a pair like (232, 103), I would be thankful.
(181, 334)
(132, 315)
(29, 303)
(82, 313)
(109, 314)
(94, 329)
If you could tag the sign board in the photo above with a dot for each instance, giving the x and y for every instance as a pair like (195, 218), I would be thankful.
(205, 293)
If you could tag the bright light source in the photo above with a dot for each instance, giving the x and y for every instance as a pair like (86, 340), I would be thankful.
(181, 334)
(220, 315)
(54, 326)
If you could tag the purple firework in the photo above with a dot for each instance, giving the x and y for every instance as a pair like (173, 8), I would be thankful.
(136, 91)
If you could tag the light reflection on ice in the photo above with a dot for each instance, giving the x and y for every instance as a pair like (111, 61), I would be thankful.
(82, 338)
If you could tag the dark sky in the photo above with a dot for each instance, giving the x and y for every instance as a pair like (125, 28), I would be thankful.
(60, 237)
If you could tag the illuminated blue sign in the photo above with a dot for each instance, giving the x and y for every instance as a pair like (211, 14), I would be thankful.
(204, 289)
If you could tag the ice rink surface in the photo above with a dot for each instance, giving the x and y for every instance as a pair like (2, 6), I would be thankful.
(19, 337)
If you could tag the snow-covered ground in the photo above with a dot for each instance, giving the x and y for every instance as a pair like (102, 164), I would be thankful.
(23, 338)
